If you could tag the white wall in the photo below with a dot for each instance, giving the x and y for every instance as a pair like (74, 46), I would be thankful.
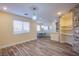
(54, 34)
(53, 27)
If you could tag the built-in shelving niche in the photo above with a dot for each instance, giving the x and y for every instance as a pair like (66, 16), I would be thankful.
(70, 33)
(66, 28)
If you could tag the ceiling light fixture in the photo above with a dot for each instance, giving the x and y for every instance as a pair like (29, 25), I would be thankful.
(59, 13)
(34, 17)
(42, 26)
(4, 8)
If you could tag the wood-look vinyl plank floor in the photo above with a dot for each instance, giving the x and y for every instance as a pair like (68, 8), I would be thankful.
(39, 47)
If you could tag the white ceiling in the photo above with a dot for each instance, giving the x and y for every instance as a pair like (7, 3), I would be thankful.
(46, 12)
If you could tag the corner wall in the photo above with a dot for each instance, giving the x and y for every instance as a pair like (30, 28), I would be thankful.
(54, 34)
(7, 38)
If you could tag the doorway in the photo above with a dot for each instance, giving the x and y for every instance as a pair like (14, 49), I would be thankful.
(43, 31)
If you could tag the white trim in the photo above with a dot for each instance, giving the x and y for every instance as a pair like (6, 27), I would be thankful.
(5, 46)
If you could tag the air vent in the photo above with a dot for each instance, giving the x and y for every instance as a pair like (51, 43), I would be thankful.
(34, 8)
(26, 14)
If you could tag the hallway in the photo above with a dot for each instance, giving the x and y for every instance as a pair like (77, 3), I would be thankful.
(40, 47)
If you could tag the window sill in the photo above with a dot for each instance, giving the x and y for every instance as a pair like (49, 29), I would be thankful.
(20, 33)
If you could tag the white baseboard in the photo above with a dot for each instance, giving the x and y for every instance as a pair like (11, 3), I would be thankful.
(5, 46)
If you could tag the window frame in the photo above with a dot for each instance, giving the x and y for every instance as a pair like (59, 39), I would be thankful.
(38, 28)
(22, 30)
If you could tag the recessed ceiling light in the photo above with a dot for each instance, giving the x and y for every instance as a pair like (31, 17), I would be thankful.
(34, 17)
(42, 26)
(4, 8)
(59, 13)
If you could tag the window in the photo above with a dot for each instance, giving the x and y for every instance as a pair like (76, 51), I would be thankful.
(44, 27)
(20, 27)
(38, 28)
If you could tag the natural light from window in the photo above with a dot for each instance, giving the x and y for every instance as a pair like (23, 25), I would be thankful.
(38, 28)
(20, 27)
